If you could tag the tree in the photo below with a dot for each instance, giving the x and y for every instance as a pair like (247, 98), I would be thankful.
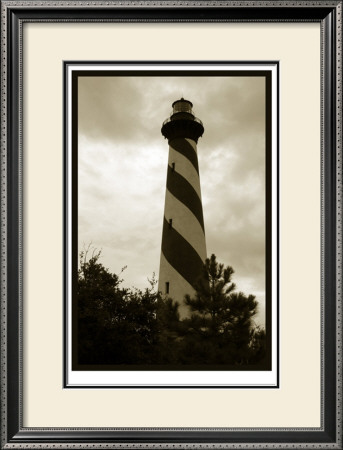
(118, 325)
(219, 330)
(100, 300)
(257, 344)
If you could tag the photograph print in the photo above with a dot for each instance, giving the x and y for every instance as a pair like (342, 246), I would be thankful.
(171, 218)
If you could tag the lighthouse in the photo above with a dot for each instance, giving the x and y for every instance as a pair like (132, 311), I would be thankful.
(183, 249)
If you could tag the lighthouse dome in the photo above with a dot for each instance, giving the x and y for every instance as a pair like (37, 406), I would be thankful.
(182, 105)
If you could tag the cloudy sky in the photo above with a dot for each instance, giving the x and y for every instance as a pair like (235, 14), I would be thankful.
(123, 165)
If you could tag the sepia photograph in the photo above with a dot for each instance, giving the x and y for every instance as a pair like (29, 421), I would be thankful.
(171, 221)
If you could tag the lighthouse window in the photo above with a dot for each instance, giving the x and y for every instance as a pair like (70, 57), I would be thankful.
(170, 223)
(167, 287)
(182, 106)
(173, 166)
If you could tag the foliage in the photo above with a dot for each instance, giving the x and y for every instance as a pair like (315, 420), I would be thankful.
(119, 326)
(221, 319)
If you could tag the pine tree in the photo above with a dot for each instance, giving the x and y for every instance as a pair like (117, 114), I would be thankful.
(219, 330)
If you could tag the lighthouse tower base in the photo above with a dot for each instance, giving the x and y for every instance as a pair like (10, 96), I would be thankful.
(174, 286)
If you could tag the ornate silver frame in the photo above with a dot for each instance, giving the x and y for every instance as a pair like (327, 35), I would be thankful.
(13, 15)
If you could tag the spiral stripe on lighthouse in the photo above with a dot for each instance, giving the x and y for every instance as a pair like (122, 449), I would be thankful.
(185, 147)
(183, 239)
(184, 167)
(185, 260)
(186, 224)
(192, 143)
(179, 286)
(185, 193)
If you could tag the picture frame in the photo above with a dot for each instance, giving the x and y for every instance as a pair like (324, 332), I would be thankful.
(14, 432)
